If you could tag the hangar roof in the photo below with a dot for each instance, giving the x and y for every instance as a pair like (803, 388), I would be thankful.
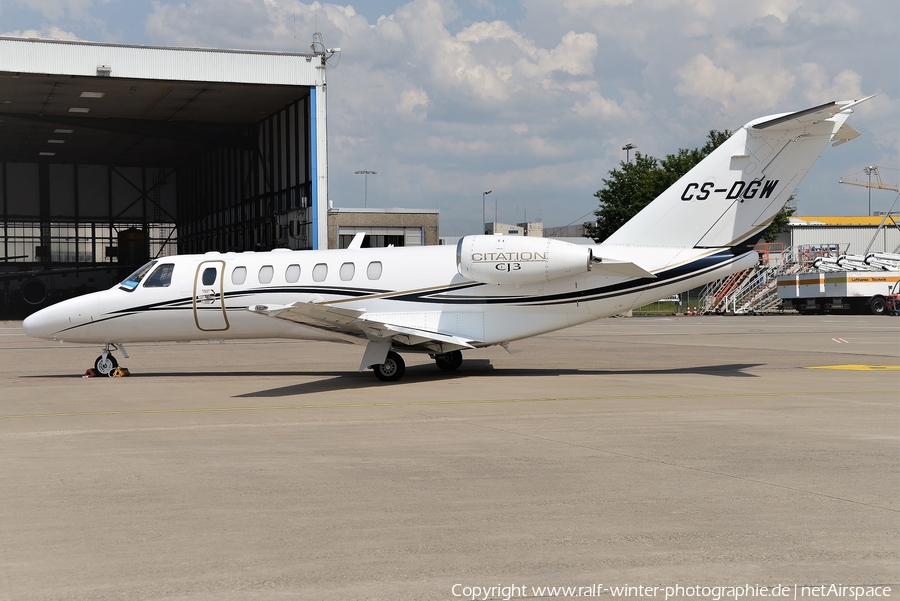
(31, 55)
(832, 220)
(157, 106)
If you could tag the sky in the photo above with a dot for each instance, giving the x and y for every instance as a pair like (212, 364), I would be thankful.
(534, 99)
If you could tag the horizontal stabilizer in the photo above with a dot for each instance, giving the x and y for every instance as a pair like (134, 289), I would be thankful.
(807, 117)
(844, 134)
(614, 268)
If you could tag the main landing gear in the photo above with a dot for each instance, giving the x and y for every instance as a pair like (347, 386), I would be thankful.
(106, 363)
(394, 367)
(448, 361)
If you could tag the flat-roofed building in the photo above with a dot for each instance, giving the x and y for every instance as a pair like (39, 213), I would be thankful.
(383, 227)
(844, 234)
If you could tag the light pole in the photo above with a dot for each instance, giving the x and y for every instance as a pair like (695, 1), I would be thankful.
(628, 148)
(483, 194)
(366, 173)
(869, 171)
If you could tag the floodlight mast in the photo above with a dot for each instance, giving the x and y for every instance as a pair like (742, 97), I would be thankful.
(366, 173)
(318, 48)
(319, 126)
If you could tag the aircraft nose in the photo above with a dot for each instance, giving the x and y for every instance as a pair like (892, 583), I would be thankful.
(62, 319)
(50, 321)
(41, 324)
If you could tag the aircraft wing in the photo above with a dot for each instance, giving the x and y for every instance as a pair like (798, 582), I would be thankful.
(352, 325)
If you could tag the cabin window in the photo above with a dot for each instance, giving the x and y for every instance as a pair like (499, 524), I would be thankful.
(239, 276)
(132, 281)
(292, 273)
(209, 276)
(265, 274)
(374, 270)
(347, 271)
(162, 277)
(320, 272)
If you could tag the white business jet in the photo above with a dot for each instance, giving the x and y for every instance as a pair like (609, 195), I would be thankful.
(487, 290)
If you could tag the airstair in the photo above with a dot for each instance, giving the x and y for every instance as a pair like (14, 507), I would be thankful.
(755, 290)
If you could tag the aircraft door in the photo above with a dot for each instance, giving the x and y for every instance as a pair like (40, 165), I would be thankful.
(209, 300)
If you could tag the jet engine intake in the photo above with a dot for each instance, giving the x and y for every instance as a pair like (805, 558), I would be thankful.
(519, 260)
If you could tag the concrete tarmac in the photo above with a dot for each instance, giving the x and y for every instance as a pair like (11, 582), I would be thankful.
(688, 451)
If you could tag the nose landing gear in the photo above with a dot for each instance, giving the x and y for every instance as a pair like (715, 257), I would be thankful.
(106, 363)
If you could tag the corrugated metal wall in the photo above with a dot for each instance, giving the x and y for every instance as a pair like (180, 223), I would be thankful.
(231, 199)
(851, 240)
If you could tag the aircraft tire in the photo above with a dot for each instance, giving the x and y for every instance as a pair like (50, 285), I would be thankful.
(449, 361)
(392, 369)
(105, 367)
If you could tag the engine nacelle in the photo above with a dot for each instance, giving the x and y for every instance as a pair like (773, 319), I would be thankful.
(519, 259)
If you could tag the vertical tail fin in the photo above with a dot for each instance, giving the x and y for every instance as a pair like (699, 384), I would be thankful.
(736, 191)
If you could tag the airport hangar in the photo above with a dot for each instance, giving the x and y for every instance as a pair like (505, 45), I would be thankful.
(111, 154)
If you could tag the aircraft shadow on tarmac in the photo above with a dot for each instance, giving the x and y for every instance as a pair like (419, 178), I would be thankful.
(335, 380)
(429, 373)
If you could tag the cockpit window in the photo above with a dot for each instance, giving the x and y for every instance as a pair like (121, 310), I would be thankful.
(161, 278)
(132, 281)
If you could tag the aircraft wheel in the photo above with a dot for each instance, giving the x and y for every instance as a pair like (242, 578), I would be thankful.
(878, 305)
(105, 364)
(392, 369)
(449, 361)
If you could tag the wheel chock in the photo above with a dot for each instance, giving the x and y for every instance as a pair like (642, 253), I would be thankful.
(90, 373)
(120, 372)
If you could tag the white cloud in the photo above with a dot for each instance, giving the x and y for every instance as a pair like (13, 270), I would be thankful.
(410, 100)
(536, 101)
(599, 107)
(780, 9)
(844, 86)
(47, 33)
(762, 86)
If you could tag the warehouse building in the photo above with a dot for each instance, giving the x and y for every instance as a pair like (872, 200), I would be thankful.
(842, 235)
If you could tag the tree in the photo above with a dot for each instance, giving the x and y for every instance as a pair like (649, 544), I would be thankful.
(627, 190)
(780, 222)
(634, 185)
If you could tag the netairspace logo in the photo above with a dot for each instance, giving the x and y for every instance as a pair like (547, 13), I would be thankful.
(713, 593)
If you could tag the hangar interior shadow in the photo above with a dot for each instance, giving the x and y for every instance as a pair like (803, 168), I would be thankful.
(100, 174)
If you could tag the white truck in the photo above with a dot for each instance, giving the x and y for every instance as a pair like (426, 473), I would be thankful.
(839, 291)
